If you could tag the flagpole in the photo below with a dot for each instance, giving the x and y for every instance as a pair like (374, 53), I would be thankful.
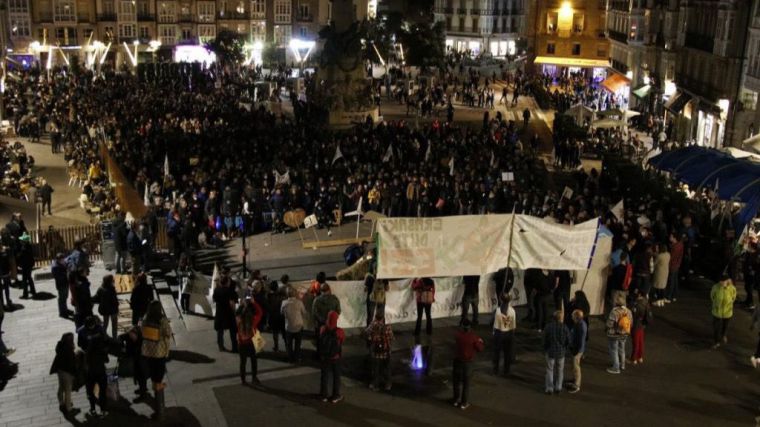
(591, 255)
(509, 249)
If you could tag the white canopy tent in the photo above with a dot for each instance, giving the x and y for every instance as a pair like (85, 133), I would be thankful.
(609, 124)
(580, 113)
(752, 143)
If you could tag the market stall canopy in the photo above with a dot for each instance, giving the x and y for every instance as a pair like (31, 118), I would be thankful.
(613, 112)
(608, 123)
(580, 113)
(572, 62)
(730, 178)
(642, 91)
(615, 82)
(741, 154)
(676, 102)
(735, 179)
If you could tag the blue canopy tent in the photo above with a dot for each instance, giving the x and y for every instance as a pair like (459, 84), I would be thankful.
(736, 179)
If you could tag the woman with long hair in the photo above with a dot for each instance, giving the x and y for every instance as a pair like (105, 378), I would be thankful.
(156, 333)
(248, 319)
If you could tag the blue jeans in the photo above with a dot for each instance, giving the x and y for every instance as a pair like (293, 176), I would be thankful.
(616, 347)
(672, 290)
(555, 373)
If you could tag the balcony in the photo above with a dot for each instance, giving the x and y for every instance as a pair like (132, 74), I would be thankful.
(232, 15)
(618, 36)
(145, 17)
(475, 11)
(83, 17)
(698, 41)
(305, 18)
(705, 90)
(185, 18)
(462, 11)
(448, 10)
(106, 17)
(45, 18)
(514, 12)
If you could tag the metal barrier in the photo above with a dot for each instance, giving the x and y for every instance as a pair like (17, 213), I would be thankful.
(47, 243)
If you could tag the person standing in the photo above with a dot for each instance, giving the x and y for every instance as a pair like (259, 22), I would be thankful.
(141, 296)
(4, 351)
(377, 297)
(25, 262)
(295, 314)
(676, 258)
(157, 335)
(65, 367)
(618, 329)
(134, 247)
(275, 320)
(132, 341)
(660, 275)
(556, 343)
(722, 295)
(93, 340)
(120, 233)
(470, 298)
(562, 284)
(504, 325)
(331, 339)
(544, 287)
(45, 193)
(248, 318)
(5, 271)
(58, 270)
(225, 299)
(641, 316)
(321, 307)
(380, 337)
(578, 333)
(81, 296)
(468, 344)
(108, 304)
(424, 293)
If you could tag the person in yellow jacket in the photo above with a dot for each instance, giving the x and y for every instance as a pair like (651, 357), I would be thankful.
(723, 295)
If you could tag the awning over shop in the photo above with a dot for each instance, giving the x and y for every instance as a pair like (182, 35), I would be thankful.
(615, 82)
(572, 62)
(642, 91)
(580, 113)
(676, 102)
(730, 178)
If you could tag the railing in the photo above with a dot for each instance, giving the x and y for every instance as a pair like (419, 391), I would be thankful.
(618, 36)
(47, 243)
(304, 18)
(462, 11)
(185, 17)
(107, 17)
(146, 17)
(46, 17)
(232, 15)
(83, 17)
(702, 42)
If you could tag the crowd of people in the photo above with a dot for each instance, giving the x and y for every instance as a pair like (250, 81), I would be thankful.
(189, 145)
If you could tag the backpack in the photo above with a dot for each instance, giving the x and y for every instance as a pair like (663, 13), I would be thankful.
(624, 323)
(329, 346)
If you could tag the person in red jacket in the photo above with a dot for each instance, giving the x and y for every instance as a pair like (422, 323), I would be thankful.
(331, 339)
(467, 345)
(248, 319)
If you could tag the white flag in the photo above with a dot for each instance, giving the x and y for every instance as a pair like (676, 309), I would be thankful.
(493, 158)
(427, 152)
(216, 278)
(281, 179)
(146, 196)
(618, 210)
(388, 153)
(338, 154)
(451, 166)
(166, 165)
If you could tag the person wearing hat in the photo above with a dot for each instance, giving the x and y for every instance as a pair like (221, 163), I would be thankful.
(722, 295)
(25, 260)
(468, 344)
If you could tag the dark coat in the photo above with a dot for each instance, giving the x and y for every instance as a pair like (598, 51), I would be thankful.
(224, 318)
(120, 235)
(59, 274)
(142, 295)
(108, 301)
(64, 359)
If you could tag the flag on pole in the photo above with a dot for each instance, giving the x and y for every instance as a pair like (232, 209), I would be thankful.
(281, 179)
(451, 166)
(166, 165)
(216, 278)
(338, 154)
(388, 153)
(146, 196)
(618, 210)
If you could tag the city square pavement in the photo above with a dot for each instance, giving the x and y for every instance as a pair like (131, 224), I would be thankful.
(682, 381)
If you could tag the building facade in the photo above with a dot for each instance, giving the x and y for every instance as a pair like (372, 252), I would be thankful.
(482, 26)
(747, 118)
(42, 27)
(569, 36)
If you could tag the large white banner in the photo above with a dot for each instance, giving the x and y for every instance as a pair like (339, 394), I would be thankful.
(479, 244)
(400, 303)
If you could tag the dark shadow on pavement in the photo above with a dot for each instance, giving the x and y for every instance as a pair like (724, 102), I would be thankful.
(189, 357)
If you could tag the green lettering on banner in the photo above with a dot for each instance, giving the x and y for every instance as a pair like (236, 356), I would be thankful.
(437, 224)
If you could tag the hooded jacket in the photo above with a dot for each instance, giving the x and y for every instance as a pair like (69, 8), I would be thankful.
(332, 324)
